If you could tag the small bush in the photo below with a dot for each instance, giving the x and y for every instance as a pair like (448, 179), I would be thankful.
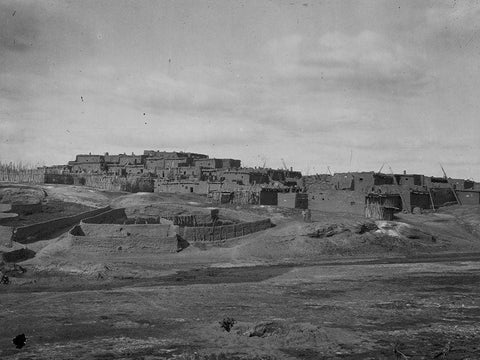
(227, 323)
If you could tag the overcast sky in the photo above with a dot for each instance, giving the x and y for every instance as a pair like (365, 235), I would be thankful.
(345, 84)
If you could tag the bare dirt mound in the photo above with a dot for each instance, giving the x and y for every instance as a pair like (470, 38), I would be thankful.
(456, 227)
(468, 216)
(80, 195)
(144, 199)
(329, 236)
(17, 194)
(289, 242)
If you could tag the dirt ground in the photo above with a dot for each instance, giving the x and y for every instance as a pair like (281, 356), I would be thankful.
(340, 311)
(331, 289)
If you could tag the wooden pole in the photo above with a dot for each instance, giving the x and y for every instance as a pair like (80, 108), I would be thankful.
(431, 198)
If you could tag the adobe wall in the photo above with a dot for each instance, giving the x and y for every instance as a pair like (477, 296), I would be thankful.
(337, 201)
(121, 245)
(106, 225)
(158, 231)
(268, 198)
(469, 197)
(31, 233)
(443, 196)
(110, 183)
(293, 200)
(224, 232)
(66, 179)
(189, 220)
(420, 200)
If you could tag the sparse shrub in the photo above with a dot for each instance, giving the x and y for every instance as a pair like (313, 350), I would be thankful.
(227, 323)
(5, 280)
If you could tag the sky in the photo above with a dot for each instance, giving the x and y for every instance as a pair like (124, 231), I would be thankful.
(345, 85)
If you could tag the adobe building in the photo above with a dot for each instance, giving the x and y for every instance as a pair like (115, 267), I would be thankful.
(213, 163)
(293, 200)
(210, 174)
(468, 197)
(131, 159)
(409, 180)
(231, 164)
(186, 172)
(245, 177)
(91, 164)
(209, 163)
(58, 169)
(436, 182)
(134, 169)
(116, 170)
(89, 158)
(461, 184)
(153, 164)
(111, 159)
(284, 176)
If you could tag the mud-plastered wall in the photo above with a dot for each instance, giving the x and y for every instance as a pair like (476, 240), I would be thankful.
(102, 231)
(31, 233)
(124, 245)
(189, 220)
(106, 225)
(216, 233)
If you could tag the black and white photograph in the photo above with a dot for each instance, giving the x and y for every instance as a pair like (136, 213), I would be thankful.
(240, 179)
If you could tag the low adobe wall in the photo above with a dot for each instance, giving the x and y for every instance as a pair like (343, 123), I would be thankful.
(224, 232)
(122, 245)
(346, 201)
(157, 231)
(105, 225)
(34, 232)
(189, 220)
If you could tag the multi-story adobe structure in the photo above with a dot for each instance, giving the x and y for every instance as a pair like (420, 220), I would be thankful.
(88, 164)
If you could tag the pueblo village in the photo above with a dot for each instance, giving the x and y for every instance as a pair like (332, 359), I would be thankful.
(239, 180)
(261, 263)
